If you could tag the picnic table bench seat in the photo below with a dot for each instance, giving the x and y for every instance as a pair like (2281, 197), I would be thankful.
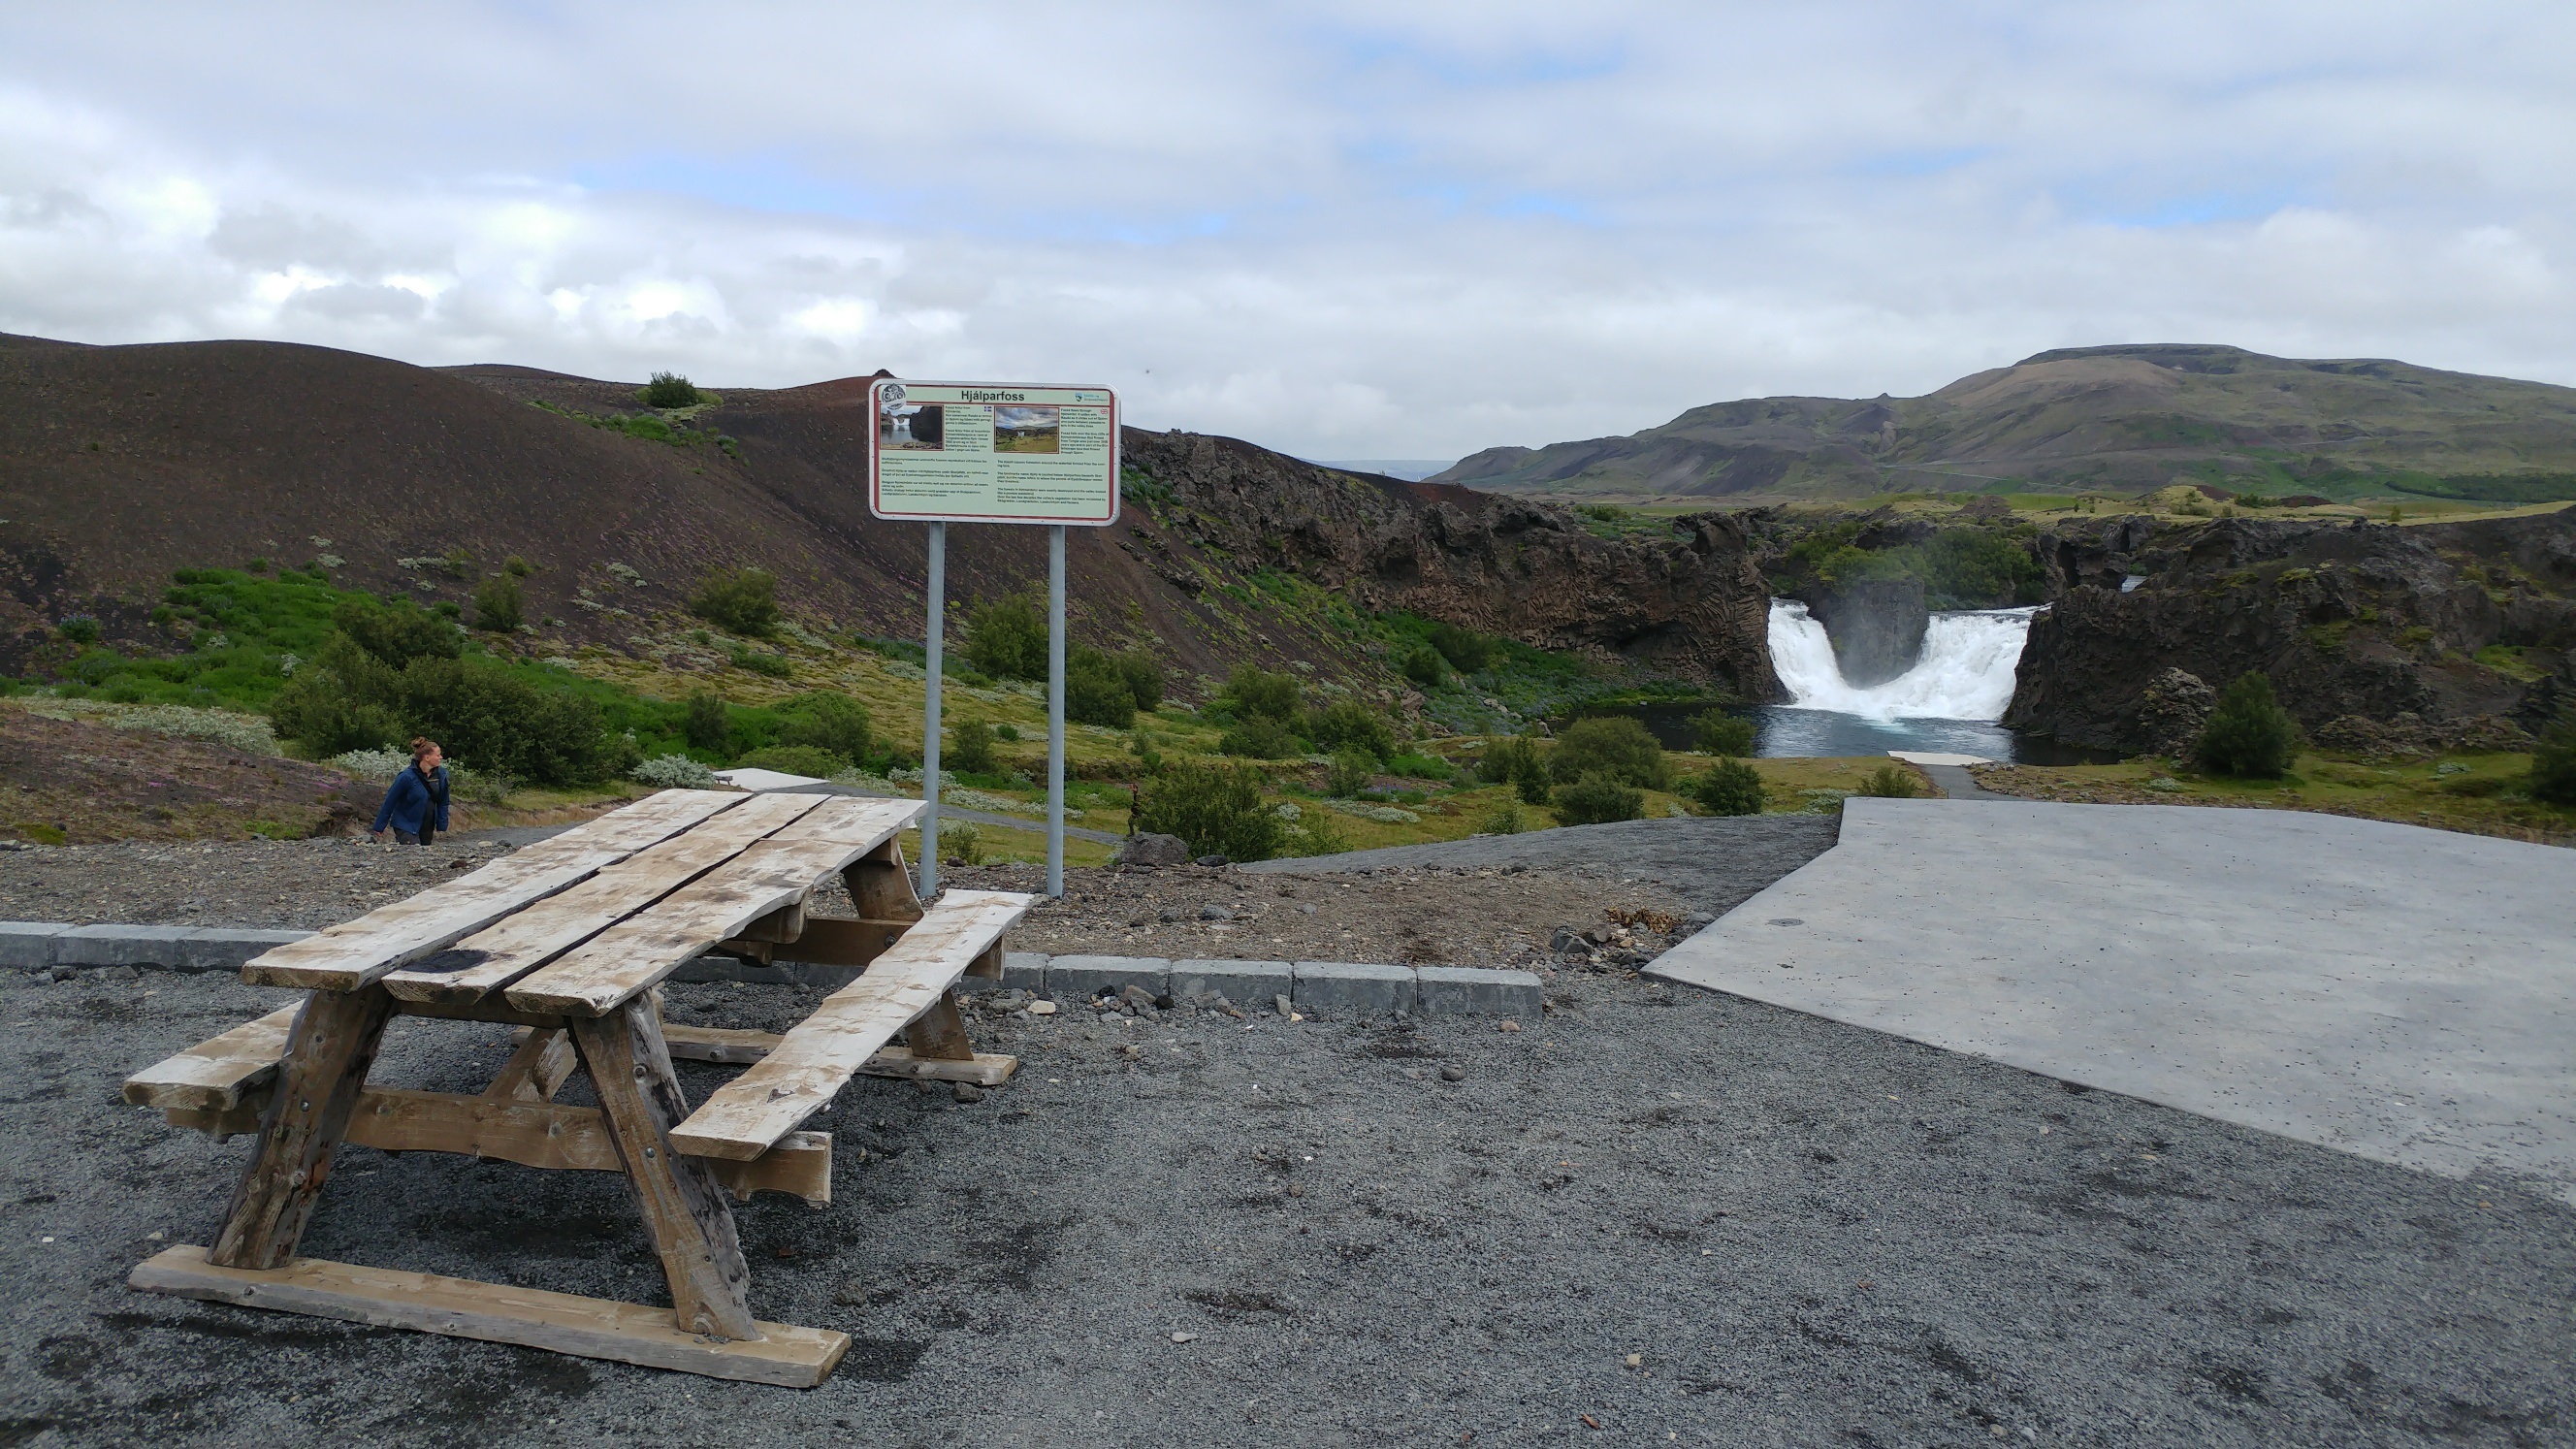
(567, 941)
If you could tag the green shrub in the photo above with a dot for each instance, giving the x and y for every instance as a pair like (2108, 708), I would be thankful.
(1216, 808)
(1096, 692)
(669, 390)
(1009, 732)
(1720, 733)
(1144, 678)
(960, 842)
(1613, 745)
(1733, 788)
(740, 601)
(496, 605)
(1251, 692)
(1349, 773)
(517, 567)
(1349, 724)
(759, 662)
(2248, 733)
(706, 724)
(1507, 759)
(1597, 798)
(1467, 653)
(2553, 761)
(969, 749)
(1891, 782)
(1421, 767)
(329, 713)
(1260, 737)
(78, 629)
(396, 633)
(493, 720)
(833, 723)
(1317, 832)
(1007, 638)
(1423, 668)
(1503, 819)
(794, 760)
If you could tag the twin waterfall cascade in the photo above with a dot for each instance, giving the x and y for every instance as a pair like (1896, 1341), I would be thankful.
(1965, 671)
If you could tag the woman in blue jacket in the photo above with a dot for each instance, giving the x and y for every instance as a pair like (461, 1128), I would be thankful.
(416, 803)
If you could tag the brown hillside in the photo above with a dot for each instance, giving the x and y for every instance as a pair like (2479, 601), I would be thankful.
(121, 464)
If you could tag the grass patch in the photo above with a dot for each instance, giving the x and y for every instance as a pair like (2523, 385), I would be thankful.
(2475, 794)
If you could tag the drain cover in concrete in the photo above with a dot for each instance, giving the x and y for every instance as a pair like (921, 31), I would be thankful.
(2405, 994)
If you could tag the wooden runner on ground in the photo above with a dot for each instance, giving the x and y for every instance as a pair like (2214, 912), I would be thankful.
(565, 940)
(817, 1057)
(351, 955)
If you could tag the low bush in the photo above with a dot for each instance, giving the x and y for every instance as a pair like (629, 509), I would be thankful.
(1260, 737)
(704, 723)
(1503, 819)
(969, 748)
(1423, 668)
(823, 720)
(1733, 788)
(1251, 692)
(1613, 745)
(669, 390)
(2248, 734)
(2553, 761)
(1007, 638)
(1720, 733)
(755, 661)
(794, 760)
(496, 605)
(1349, 773)
(396, 632)
(1216, 808)
(674, 772)
(1597, 798)
(78, 629)
(1144, 676)
(1891, 782)
(740, 601)
(1317, 832)
(1466, 652)
(1349, 724)
(959, 842)
(1096, 692)
(1421, 767)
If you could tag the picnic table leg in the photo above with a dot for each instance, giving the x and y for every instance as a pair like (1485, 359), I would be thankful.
(683, 1206)
(880, 886)
(327, 1056)
(939, 1034)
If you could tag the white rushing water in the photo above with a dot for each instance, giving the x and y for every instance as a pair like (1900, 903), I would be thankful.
(1965, 672)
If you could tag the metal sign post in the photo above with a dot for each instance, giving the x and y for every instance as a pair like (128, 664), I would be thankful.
(953, 452)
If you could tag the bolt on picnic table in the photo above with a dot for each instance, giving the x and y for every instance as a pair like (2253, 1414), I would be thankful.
(567, 940)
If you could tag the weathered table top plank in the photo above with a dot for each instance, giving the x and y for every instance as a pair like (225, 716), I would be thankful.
(213, 1074)
(816, 1058)
(355, 953)
(632, 955)
(496, 956)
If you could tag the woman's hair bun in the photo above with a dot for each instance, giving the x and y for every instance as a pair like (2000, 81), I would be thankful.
(421, 745)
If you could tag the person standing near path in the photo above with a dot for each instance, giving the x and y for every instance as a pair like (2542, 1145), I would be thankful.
(416, 803)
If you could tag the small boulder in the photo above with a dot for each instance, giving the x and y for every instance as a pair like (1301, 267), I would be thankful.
(1154, 851)
(1210, 860)
(1215, 913)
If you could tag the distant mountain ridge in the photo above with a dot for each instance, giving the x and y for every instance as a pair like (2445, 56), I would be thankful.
(2115, 420)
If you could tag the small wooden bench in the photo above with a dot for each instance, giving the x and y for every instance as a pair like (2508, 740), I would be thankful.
(566, 940)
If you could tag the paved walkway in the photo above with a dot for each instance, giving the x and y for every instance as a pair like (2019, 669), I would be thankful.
(2401, 993)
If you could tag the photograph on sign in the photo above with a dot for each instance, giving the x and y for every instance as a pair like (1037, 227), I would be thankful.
(993, 453)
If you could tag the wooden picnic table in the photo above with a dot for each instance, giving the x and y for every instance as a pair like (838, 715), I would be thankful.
(567, 940)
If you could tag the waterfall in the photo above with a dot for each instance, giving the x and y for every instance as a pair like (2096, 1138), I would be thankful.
(1965, 670)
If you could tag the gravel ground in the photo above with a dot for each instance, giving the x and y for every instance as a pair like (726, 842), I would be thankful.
(1715, 863)
(266, 884)
(1677, 1217)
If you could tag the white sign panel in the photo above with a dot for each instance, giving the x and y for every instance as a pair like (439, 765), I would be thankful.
(976, 452)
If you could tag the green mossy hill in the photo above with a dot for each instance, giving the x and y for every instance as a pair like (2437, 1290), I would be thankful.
(2116, 420)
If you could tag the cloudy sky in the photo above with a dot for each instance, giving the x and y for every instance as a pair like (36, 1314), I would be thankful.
(1346, 230)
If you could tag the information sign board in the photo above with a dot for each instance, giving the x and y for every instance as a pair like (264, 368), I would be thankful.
(956, 452)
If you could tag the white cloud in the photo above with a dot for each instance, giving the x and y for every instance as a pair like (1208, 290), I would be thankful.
(1319, 226)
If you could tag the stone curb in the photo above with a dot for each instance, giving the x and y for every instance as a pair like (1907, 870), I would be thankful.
(44, 945)
(1329, 986)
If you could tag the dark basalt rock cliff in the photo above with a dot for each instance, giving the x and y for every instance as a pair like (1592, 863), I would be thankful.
(1691, 601)
(2351, 622)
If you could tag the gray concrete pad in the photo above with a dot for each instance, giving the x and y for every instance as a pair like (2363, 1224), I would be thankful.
(2405, 994)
